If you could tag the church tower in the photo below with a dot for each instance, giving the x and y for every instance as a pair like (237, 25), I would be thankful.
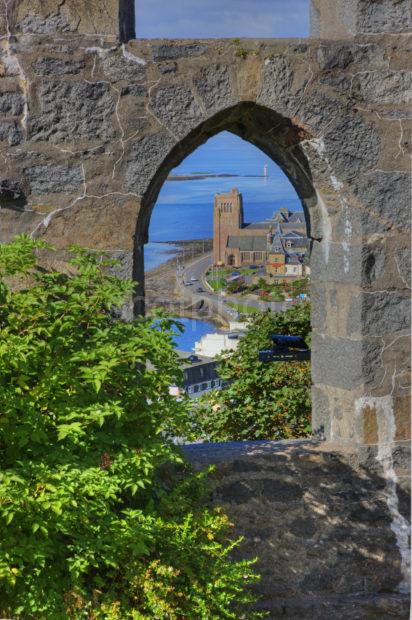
(227, 220)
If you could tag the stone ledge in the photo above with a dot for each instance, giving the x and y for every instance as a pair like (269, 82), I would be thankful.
(351, 607)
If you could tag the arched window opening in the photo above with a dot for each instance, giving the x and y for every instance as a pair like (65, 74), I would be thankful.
(227, 242)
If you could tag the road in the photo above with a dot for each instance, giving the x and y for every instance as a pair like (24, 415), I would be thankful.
(196, 269)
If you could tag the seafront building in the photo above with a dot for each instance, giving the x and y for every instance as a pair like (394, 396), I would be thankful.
(280, 244)
(211, 345)
(199, 376)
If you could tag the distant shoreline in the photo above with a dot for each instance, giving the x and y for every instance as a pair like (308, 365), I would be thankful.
(198, 176)
(161, 287)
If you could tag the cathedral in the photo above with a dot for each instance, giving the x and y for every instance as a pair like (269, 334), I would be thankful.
(280, 243)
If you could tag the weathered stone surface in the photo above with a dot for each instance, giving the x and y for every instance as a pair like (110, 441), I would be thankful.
(146, 156)
(10, 191)
(57, 66)
(351, 147)
(214, 86)
(318, 111)
(358, 361)
(278, 90)
(335, 56)
(170, 51)
(383, 86)
(373, 263)
(402, 409)
(338, 540)
(340, 83)
(403, 261)
(341, 262)
(321, 418)
(11, 103)
(12, 226)
(10, 131)
(48, 24)
(401, 455)
(318, 297)
(168, 67)
(71, 110)
(343, 20)
(378, 313)
(50, 179)
(384, 16)
(45, 17)
(135, 90)
(94, 223)
(176, 108)
(120, 67)
(380, 197)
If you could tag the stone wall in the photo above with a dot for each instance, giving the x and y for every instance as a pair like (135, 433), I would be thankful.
(320, 525)
(90, 127)
(342, 19)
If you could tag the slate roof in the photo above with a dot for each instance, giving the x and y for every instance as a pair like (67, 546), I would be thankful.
(293, 235)
(292, 217)
(258, 226)
(296, 218)
(299, 242)
(292, 259)
(254, 243)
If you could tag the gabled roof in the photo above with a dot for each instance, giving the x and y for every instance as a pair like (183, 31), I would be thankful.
(293, 235)
(292, 259)
(297, 242)
(257, 226)
(254, 243)
(276, 245)
(296, 217)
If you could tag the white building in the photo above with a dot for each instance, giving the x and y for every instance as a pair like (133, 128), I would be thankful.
(211, 345)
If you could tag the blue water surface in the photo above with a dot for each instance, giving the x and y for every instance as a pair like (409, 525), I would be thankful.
(193, 332)
(184, 209)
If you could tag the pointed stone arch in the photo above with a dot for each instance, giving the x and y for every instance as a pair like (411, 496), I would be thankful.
(92, 128)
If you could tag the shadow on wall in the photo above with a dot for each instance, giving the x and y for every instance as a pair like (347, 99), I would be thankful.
(320, 527)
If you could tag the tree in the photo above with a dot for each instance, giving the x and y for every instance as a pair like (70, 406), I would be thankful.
(99, 517)
(261, 401)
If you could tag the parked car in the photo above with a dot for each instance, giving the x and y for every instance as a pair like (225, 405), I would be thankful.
(253, 267)
(199, 290)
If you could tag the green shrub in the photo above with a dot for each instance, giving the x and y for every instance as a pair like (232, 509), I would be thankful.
(217, 284)
(99, 517)
(262, 401)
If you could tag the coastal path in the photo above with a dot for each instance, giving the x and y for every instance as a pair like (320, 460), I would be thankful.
(192, 277)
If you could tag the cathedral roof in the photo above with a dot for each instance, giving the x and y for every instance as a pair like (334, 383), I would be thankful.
(254, 243)
(258, 226)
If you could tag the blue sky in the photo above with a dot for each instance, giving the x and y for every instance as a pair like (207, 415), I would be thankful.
(222, 18)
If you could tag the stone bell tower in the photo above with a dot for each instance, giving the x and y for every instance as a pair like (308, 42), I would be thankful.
(227, 220)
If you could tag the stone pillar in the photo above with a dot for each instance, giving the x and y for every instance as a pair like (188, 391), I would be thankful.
(109, 18)
(342, 19)
(138, 277)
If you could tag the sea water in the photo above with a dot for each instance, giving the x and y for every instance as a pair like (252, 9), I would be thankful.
(184, 208)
